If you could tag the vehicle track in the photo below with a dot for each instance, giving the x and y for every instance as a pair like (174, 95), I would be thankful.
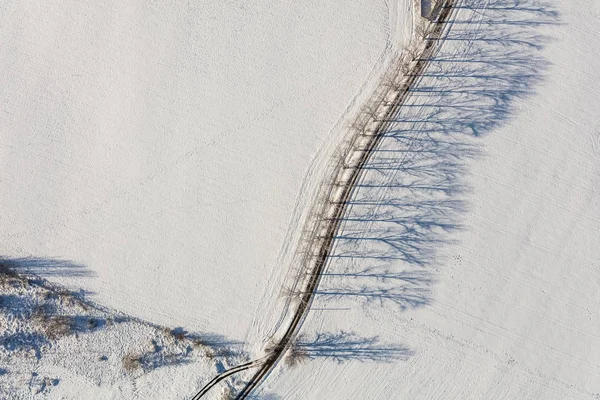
(345, 184)
(225, 374)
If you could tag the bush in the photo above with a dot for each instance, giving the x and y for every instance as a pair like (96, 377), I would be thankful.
(131, 362)
(58, 326)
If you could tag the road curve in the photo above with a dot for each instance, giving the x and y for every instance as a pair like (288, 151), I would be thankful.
(225, 374)
(345, 184)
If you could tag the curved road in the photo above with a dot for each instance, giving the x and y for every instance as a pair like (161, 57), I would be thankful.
(346, 184)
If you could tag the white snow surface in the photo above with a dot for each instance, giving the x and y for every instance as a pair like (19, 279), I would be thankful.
(167, 146)
(468, 266)
(173, 150)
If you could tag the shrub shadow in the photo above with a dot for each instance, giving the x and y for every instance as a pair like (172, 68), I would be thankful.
(40, 312)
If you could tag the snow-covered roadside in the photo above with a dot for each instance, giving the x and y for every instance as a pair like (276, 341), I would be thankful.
(273, 308)
(468, 265)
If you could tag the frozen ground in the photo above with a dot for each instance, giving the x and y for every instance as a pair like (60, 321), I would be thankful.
(468, 266)
(171, 150)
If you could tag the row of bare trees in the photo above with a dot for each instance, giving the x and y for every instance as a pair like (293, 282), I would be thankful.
(362, 129)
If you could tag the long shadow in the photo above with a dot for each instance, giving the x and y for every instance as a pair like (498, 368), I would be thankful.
(344, 346)
(44, 267)
(413, 192)
(36, 308)
(380, 285)
(264, 396)
(41, 312)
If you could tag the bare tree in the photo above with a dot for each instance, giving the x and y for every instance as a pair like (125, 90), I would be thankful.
(372, 110)
(423, 30)
(411, 52)
(131, 362)
(295, 355)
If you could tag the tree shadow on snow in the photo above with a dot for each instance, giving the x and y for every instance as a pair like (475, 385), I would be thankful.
(265, 396)
(344, 346)
(37, 309)
(40, 312)
(45, 267)
(413, 192)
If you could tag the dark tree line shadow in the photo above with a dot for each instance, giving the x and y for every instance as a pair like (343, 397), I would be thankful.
(340, 347)
(24, 301)
(343, 346)
(40, 307)
(43, 267)
(45, 312)
(264, 396)
(413, 192)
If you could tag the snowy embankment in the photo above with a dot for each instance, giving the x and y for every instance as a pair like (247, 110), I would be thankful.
(56, 344)
(468, 264)
(173, 150)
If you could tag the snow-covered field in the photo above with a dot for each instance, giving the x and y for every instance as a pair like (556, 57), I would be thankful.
(468, 266)
(162, 156)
